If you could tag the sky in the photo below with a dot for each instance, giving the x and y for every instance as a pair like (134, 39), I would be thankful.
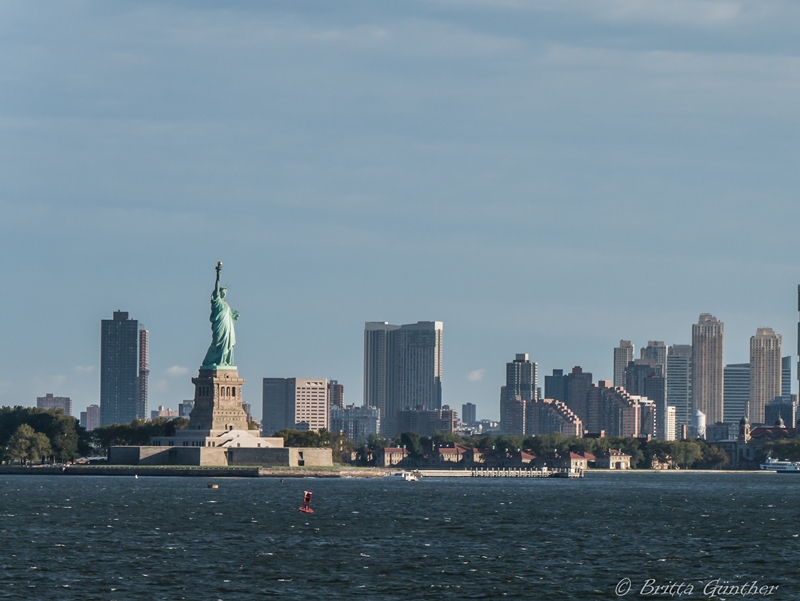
(543, 177)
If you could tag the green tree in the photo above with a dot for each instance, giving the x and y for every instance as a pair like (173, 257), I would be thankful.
(138, 432)
(788, 450)
(412, 442)
(68, 440)
(28, 445)
(714, 457)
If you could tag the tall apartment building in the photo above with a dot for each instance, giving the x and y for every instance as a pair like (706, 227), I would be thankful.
(786, 379)
(672, 426)
(578, 383)
(512, 413)
(645, 377)
(623, 354)
(469, 414)
(707, 367)
(378, 358)
(679, 383)
(297, 403)
(48, 401)
(656, 351)
(555, 386)
(90, 419)
(357, 423)
(765, 372)
(119, 370)
(144, 370)
(335, 394)
(737, 391)
(547, 416)
(402, 368)
(521, 385)
(613, 410)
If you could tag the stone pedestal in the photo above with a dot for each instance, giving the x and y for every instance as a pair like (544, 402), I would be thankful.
(218, 401)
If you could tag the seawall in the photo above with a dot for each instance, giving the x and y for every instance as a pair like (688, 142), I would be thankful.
(196, 472)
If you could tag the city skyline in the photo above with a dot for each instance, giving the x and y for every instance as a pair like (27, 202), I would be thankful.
(457, 147)
(488, 409)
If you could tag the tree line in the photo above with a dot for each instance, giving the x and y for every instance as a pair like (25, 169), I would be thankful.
(683, 454)
(32, 435)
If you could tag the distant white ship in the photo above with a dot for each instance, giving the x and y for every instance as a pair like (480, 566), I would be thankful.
(776, 465)
(407, 476)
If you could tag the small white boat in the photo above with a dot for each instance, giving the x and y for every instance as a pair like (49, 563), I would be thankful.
(777, 465)
(407, 476)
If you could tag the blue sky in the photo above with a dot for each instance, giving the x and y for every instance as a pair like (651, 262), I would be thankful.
(543, 177)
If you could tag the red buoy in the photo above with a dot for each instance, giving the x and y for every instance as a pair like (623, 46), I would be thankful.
(306, 507)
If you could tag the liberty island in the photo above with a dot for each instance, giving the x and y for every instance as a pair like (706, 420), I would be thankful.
(218, 433)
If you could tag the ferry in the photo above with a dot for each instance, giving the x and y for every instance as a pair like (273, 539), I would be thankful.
(407, 476)
(776, 465)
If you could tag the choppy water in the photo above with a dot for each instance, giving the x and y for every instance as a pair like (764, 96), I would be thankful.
(173, 538)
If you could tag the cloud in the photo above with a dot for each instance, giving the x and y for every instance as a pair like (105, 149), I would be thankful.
(84, 369)
(476, 375)
(177, 370)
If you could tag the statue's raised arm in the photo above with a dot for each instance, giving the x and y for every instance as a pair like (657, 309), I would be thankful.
(216, 284)
(223, 336)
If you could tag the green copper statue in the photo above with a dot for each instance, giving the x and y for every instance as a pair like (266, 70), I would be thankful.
(223, 338)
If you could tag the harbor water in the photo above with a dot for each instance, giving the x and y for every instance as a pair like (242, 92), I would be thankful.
(75, 537)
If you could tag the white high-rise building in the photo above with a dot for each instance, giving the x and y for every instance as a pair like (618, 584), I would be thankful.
(623, 354)
(765, 372)
(672, 427)
(708, 367)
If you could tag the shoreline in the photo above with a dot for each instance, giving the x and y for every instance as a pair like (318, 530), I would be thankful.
(293, 472)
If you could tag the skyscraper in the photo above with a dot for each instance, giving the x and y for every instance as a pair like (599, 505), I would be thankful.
(119, 382)
(672, 428)
(521, 382)
(377, 359)
(765, 372)
(679, 383)
(623, 354)
(645, 378)
(402, 368)
(707, 367)
(90, 419)
(555, 386)
(144, 371)
(786, 379)
(522, 377)
(656, 352)
(468, 414)
(335, 394)
(737, 391)
(578, 383)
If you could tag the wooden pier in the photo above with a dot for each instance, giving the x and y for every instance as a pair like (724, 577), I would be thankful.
(502, 472)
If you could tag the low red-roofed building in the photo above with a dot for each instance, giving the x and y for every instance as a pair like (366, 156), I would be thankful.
(613, 459)
(390, 456)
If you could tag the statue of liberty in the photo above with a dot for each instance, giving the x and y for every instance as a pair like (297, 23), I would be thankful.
(223, 337)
